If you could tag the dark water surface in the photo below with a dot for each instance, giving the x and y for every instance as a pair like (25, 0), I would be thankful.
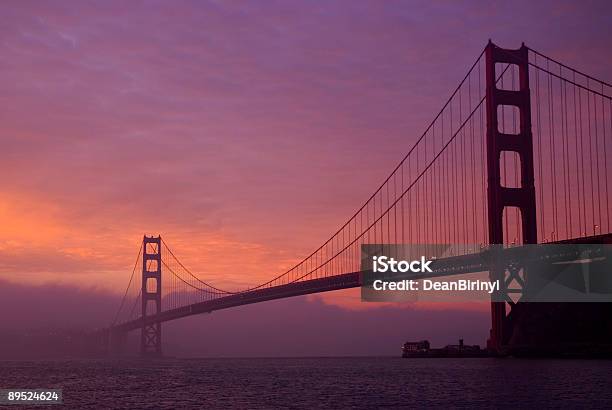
(319, 382)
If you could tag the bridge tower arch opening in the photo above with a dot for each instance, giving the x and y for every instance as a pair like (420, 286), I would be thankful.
(150, 336)
(499, 197)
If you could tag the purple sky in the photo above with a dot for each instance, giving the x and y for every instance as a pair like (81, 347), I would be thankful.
(250, 128)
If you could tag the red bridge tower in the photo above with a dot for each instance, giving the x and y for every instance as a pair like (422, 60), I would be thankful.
(150, 337)
(500, 197)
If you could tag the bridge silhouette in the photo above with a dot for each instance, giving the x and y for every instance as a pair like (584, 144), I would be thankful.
(518, 154)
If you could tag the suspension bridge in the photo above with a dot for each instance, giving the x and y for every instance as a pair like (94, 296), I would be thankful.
(518, 154)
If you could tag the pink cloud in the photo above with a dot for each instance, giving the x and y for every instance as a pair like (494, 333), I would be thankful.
(254, 126)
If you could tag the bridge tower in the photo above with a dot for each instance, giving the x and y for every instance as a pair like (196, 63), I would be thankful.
(500, 197)
(150, 337)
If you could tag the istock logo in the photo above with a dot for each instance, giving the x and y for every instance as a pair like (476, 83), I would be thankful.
(384, 264)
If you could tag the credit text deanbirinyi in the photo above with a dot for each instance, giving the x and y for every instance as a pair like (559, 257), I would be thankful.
(384, 264)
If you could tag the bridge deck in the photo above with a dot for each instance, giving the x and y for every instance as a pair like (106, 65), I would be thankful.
(443, 267)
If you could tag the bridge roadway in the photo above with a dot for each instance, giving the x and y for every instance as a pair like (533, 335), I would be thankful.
(454, 265)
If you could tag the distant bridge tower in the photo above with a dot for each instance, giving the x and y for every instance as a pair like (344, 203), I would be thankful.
(500, 197)
(150, 337)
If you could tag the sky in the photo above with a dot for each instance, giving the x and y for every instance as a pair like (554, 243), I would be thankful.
(242, 132)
